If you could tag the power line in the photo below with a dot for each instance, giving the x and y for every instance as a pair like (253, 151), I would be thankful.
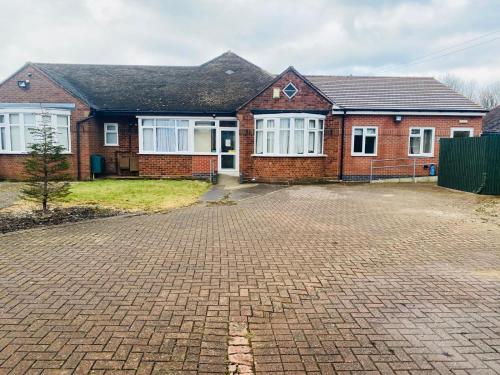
(439, 54)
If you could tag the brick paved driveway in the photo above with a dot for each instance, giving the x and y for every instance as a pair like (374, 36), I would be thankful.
(327, 279)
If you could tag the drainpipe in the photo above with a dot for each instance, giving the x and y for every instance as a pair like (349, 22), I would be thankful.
(342, 136)
(78, 152)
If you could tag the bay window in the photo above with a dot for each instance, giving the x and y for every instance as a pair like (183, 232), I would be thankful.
(421, 142)
(289, 134)
(17, 129)
(364, 141)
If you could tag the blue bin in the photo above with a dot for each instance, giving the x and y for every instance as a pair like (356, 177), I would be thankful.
(97, 165)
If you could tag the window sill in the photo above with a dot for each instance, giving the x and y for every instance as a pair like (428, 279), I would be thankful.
(288, 156)
(364, 155)
(421, 156)
(111, 145)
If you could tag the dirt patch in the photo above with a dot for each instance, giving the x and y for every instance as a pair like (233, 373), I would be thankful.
(10, 222)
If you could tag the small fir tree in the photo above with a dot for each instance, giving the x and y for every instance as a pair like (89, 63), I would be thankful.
(45, 166)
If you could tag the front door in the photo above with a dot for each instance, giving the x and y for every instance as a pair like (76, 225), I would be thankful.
(228, 157)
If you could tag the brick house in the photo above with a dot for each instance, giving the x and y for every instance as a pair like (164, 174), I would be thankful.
(230, 116)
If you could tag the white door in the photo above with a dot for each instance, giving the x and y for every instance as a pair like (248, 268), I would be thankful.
(228, 155)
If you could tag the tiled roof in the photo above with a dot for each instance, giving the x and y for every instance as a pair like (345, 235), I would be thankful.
(491, 122)
(223, 84)
(218, 86)
(391, 93)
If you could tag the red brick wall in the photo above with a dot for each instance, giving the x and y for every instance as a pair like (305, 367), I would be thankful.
(128, 141)
(288, 168)
(176, 165)
(42, 90)
(393, 141)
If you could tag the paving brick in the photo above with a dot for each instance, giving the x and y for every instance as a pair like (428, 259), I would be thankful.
(312, 279)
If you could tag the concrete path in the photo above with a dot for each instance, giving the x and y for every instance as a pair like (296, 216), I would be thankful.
(229, 189)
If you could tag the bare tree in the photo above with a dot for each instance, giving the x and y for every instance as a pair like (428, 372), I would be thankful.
(464, 87)
(489, 97)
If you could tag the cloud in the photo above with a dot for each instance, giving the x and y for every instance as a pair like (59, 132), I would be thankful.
(317, 36)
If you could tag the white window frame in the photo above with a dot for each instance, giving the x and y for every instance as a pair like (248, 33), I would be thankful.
(191, 127)
(470, 130)
(421, 135)
(364, 129)
(107, 131)
(319, 141)
(52, 113)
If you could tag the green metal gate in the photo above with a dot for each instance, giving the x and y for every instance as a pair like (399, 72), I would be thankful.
(470, 164)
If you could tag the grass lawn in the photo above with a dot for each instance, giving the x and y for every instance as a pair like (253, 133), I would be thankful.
(136, 195)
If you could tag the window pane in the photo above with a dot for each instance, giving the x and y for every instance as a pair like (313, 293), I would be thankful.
(358, 143)
(29, 137)
(15, 138)
(320, 142)
(204, 140)
(370, 145)
(228, 123)
(148, 122)
(415, 131)
(284, 141)
(371, 131)
(321, 124)
(14, 118)
(182, 139)
(3, 141)
(299, 140)
(62, 137)
(165, 140)
(111, 138)
(63, 121)
(312, 140)
(2, 119)
(227, 161)
(270, 142)
(29, 119)
(183, 123)
(167, 122)
(358, 131)
(414, 145)
(284, 123)
(270, 124)
(259, 142)
(312, 124)
(205, 123)
(299, 123)
(427, 141)
(461, 134)
(259, 124)
(147, 139)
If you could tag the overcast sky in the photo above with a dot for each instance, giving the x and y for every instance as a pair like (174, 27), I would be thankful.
(361, 37)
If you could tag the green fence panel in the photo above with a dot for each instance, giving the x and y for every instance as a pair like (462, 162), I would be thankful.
(470, 164)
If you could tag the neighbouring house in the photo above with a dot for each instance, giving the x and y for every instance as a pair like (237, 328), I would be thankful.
(491, 122)
(229, 116)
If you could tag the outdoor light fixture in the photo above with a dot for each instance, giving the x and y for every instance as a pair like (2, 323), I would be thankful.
(398, 119)
(23, 84)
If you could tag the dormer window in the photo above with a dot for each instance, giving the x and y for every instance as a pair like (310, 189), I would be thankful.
(290, 90)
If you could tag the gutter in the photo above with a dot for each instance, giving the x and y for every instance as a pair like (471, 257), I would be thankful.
(78, 152)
